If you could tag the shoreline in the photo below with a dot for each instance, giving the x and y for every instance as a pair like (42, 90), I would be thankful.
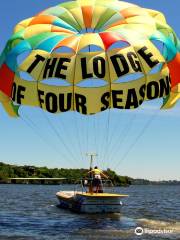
(14, 174)
(44, 182)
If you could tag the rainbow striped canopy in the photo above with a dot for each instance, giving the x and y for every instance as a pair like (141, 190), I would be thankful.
(89, 39)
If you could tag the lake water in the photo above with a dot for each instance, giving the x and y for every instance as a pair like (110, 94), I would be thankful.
(30, 212)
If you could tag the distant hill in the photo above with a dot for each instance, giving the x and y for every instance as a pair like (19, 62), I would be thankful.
(72, 175)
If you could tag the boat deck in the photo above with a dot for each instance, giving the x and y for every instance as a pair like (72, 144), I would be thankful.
(102, 195)
(70, 194)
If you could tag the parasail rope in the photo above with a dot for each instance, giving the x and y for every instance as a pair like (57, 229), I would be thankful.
(64, 128)
(114, 133)
(28, 122)
(95, 137)
(106, 145)
(78, 135)
(59, 136)
(123, 134)
(137, 138)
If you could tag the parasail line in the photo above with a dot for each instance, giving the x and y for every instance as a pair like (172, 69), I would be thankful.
(95, 136)
(33, 127)
(78, 135)
(121, 137)
(114, 133)
(63, 127)
(106, 147)
(137, 138)
(59, 136)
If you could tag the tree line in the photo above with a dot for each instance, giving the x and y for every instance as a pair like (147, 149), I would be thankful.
(71, 175)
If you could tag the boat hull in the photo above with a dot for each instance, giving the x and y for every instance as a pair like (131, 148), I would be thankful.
(90, 203)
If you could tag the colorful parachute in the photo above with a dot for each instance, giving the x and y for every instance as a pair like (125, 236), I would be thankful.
(106, 40)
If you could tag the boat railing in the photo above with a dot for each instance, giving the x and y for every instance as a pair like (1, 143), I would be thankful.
(83, 186)
(79, 186)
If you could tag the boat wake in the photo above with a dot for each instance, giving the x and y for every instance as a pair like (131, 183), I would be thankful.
(170, 229)
(127, 230)
(161, 224)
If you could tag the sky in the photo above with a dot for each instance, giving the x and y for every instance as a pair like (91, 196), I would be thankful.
(140, 144)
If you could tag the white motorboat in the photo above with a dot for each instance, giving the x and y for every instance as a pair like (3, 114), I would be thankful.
(86, 201)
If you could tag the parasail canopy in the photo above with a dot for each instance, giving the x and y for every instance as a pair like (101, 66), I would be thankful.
(89, 56)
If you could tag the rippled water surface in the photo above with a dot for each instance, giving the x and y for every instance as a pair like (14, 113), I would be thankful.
(30, 212)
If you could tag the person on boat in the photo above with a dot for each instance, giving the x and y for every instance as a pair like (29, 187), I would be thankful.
(96, 179)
